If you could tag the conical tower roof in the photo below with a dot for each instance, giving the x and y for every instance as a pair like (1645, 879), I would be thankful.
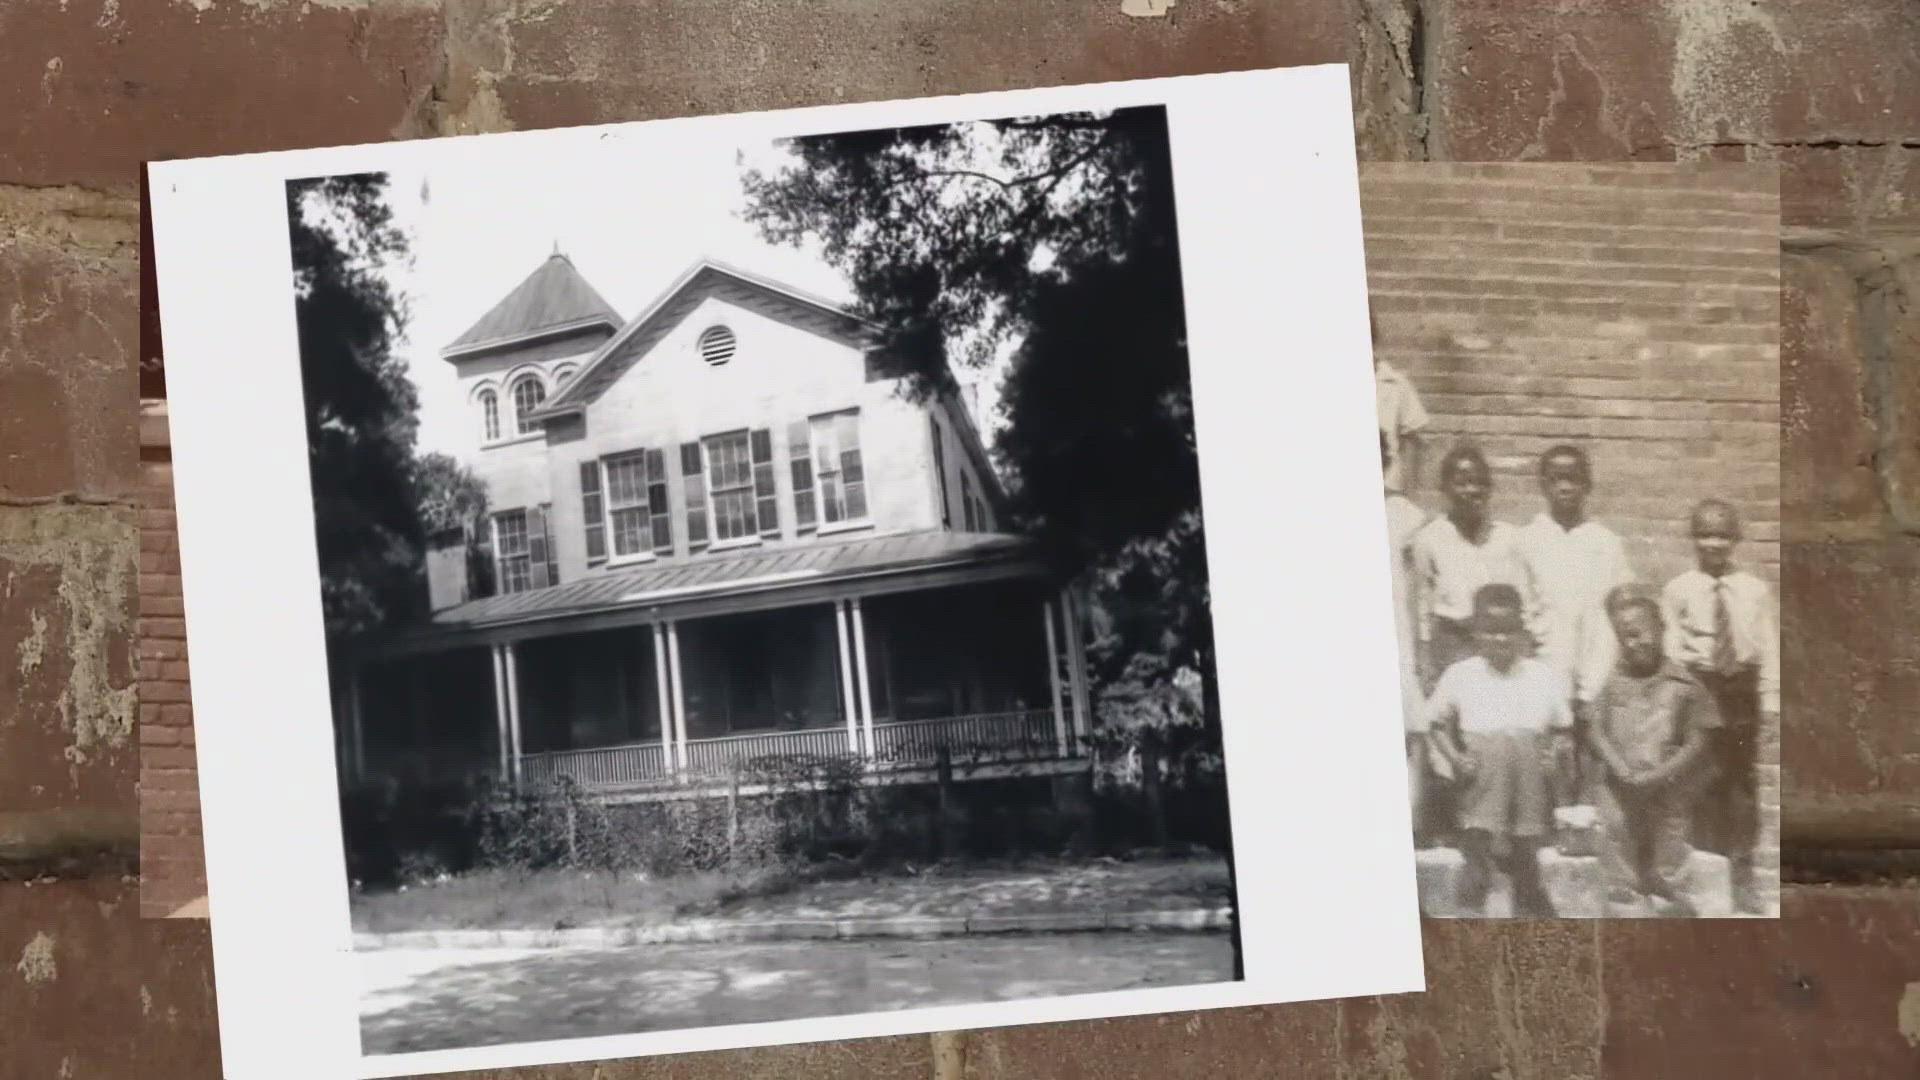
(554, 295)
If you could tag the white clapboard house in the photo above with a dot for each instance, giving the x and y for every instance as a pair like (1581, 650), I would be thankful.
(719, 531)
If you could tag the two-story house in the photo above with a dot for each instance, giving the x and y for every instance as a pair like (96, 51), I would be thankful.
(719, 531)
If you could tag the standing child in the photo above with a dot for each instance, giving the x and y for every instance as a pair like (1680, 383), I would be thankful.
(1404, 519)
(1571, 562)
(1454, 555)
(1651, 723)
(1498, 719)
(1722, 627)
(1402, 417)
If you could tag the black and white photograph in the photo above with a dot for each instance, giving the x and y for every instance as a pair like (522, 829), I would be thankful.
(1579, 407)
(850, 650)
(759, 578)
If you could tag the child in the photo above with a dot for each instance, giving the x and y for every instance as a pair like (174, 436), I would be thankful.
(1721, 626)
(1499, 719)
(1571, 562)
(1649, 728)
(1455, 555)
(1404, 519)
(1402, 416)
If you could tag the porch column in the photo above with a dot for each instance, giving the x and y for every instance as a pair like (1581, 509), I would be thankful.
(846, 676)
(512, 657)
(665, 695)
(500, 723)
(679, 699)
(1076, 662)
(1053, 679)
(860, 677)
(356, 725)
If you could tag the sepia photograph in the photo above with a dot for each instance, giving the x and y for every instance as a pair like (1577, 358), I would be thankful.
(1579, 403)
(754, 575)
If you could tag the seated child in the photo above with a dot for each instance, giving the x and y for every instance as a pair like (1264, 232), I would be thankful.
(1649, 728)
(1722, 626)
(1404, 518)
(1499, 720)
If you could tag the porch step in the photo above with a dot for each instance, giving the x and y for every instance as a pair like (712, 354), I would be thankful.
(1573, 882)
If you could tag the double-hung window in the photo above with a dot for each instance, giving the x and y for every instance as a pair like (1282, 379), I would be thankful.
(523, 553)
(837, 470)
(731, 495)
(623, 502)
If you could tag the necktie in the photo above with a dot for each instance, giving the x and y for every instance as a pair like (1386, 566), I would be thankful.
(1725, 661)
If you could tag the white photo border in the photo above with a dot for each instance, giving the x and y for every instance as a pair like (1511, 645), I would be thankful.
(1272, 261)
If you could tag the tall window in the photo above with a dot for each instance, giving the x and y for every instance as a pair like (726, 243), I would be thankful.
(940, 473)
(528, 393)
(800, 463)
(593, 511)
(837, 468)
(489, 415)
(730, 486)
(513, 562)
(636, 493)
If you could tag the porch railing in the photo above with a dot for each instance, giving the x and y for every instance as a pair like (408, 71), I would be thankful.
(632, 763)
(994, 736)
(1026, 735)
(713, 756)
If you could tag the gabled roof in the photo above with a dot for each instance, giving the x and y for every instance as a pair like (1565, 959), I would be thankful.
(733, 573)
(705, 278)
(552, 299)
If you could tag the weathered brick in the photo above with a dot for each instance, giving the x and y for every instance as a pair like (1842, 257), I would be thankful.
(66, 357)
(1827, 439)
(1826, 87)
(179, 715)
(66, 733)
(164, 691)
(1851, 679)
(148, 81)
(573, 63)
(154, 733)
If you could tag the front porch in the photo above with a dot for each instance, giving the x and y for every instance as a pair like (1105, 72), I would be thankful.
(986, 675)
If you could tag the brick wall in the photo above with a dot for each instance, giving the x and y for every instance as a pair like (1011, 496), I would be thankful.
(1633, 310)
(172, 866)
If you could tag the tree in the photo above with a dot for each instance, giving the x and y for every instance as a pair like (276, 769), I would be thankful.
(1052, 241)
(374, 503)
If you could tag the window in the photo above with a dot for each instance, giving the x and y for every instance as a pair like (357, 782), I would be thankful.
(528, 393)
(837, 468)
(940, 472)
(593, 511)
(766, 497)
(693, 480)
(636, 493)
(800, 462)
(966, 501)
(730, 486)
(513, 563)
(489, 415)
(717, 345)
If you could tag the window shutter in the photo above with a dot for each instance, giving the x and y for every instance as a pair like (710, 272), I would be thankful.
(592, 511)
(538, 547)
(694, 477)
(940, 473)
(800, 461)
(966, 501)
(662, 518)
(852, 475)
(766, 496)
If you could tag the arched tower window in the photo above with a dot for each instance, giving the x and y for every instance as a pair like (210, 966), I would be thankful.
(528, 393)
(489, 415)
